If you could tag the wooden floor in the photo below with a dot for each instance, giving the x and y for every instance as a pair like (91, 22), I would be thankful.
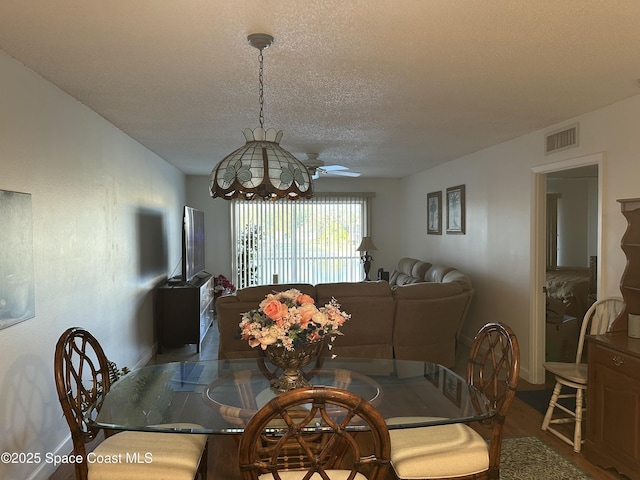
(522, 419)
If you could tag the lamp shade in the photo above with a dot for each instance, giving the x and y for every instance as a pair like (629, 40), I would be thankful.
(261, 169)
(366, 245)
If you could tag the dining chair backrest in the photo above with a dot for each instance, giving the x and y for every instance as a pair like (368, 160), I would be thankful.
(81, 372)
(313, 421)
(598, 319)
(493, 368)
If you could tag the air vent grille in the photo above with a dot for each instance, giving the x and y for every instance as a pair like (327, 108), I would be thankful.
(562, 139)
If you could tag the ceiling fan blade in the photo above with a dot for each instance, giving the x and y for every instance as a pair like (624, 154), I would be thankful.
(343, 173)
(317, 168)
(333, 168)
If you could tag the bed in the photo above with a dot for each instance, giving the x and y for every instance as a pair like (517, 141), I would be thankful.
(570, 290)
(570, 293)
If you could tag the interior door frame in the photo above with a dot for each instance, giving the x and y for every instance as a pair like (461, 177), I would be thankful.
(538, 253)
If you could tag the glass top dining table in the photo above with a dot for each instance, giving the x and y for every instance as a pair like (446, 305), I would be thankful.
(219, 397)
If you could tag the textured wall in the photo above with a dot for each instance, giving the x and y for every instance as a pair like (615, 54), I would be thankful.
(106, 229)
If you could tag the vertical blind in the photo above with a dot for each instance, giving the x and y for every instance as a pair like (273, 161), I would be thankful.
(306, 241)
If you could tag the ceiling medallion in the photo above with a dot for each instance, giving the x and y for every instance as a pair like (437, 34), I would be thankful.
(261, 168)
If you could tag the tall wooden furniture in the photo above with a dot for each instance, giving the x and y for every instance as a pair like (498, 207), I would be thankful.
(613, 417)
(82, 376)
(630, 283)
(184, 311)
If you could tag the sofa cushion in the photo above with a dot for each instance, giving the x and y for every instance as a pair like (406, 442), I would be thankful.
(325, 291)
(257, 293)
(409, 270)
(369, 332)
(437, 272)
(456, 276)
(426, 329)
(427, 290)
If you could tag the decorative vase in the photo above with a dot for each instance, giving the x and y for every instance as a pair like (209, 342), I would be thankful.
(292, 362)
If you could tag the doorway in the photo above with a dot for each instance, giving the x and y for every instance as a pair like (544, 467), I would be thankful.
(577, 243)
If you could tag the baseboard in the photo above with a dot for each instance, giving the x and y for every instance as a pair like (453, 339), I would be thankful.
(146, 357)
(45, 470)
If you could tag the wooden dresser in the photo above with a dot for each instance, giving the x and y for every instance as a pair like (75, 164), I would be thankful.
(613, 403)
(184, 311)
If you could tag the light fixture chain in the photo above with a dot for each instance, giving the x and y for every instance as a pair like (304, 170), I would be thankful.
(261, 81)
(261, 169)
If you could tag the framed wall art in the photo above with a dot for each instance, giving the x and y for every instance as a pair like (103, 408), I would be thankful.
(455, 210)
(17, 302)
(434, 213)
(452, 387)
(432, 373)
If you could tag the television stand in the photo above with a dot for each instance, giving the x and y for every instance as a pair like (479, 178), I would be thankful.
(184, 311)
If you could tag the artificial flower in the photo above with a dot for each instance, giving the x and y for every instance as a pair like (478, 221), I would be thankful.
(290, 319)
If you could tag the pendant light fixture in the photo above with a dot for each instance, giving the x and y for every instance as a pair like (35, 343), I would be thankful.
(261, 168)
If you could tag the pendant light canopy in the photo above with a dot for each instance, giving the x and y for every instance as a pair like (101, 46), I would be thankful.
(261, 168)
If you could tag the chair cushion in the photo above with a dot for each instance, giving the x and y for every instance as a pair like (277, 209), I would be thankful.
(573, 372)
(298, 475)
(439, 451)
(147, 456)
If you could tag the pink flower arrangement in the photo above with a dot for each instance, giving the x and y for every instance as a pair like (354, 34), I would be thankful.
(291, 319)
(221, 284)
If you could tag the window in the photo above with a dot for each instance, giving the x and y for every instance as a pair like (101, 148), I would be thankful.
(306, 241)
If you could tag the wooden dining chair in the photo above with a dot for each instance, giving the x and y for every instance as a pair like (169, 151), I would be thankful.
(82, 376)
(458, 450)
(312, 422)
(573, 376)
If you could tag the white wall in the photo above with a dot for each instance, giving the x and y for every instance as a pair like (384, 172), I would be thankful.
(496, 250)
(92, 189)
(385, 228)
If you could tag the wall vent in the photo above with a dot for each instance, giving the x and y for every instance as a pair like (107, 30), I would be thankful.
(561, 139)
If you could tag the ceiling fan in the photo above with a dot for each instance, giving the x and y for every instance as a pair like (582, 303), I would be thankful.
(317, 167)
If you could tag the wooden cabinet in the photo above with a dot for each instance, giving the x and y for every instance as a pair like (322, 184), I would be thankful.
(613, 403)
(184, 311)
(630, 282)
(613, 395)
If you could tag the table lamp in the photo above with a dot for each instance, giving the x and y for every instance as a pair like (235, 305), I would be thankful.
(365, 247)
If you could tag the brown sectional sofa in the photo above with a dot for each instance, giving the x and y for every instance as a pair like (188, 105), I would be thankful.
(416, 316)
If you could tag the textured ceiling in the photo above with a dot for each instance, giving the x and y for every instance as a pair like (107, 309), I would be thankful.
(387, 88)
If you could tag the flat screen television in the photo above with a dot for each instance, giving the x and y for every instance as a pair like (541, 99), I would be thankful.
(192, 243)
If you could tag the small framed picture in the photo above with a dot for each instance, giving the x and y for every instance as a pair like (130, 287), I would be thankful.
(432, 373)
(455, 210)
(434, 213)
(452, 387)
